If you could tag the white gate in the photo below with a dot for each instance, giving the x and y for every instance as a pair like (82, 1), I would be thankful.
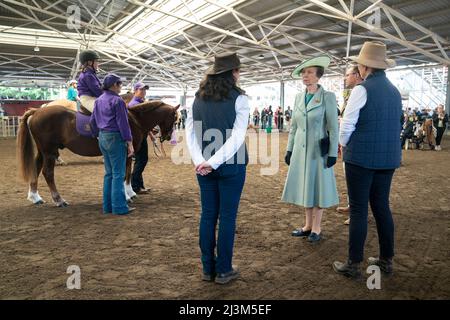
(9, 126)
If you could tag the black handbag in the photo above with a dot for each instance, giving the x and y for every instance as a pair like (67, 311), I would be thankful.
(324, 145)
(324, 142)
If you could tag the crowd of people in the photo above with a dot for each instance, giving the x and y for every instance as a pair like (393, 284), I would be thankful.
(424, 127)
(267, 117)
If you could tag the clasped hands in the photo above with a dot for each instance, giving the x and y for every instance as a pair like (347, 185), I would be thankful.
(203, 168)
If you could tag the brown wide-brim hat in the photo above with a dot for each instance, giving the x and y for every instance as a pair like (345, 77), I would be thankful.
(373, 54)
(223, 63)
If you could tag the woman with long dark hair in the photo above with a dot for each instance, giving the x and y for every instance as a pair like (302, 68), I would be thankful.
(215, 135)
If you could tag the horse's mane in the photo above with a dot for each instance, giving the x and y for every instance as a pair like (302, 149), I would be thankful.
(147, 106)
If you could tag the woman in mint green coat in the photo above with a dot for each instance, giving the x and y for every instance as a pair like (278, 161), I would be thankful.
(310, 181)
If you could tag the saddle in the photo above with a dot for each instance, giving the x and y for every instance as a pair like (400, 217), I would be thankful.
(82, 109)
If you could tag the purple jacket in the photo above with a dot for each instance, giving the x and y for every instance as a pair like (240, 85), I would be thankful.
(89, 84)
(111, 114)
(135, 101)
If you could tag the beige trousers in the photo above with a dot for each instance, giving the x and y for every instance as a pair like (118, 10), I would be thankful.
(88, 102)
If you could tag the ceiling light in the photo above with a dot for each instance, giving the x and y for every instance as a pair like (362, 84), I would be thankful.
(36, 48)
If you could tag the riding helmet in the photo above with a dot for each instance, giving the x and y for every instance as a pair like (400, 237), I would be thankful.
(88, 55)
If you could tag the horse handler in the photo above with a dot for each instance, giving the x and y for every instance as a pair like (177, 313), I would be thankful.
(141, 156)
(111, 119)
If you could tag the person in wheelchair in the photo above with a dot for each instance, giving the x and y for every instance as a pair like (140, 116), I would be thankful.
(408, 130)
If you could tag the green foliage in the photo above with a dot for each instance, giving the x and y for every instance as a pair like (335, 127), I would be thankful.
(34, 93)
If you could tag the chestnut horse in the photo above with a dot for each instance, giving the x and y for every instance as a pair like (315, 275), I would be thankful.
(72, 105)
(53, 128)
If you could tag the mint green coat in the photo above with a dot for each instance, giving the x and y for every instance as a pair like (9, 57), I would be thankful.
(309, 182)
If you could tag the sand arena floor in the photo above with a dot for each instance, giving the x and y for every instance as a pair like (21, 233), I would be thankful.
(153, 253)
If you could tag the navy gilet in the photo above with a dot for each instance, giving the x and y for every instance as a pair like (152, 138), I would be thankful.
(213, 124)
(375, 143)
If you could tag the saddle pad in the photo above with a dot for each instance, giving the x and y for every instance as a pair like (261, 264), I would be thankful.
(83, 126)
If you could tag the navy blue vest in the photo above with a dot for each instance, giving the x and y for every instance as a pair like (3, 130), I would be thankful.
(217, 120)
(375, 143)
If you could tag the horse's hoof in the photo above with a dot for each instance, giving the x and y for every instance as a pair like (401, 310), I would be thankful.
(62, 204)
(134, 197)
(130, 201)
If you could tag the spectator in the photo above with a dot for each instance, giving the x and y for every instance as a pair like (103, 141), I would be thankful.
(440, 120)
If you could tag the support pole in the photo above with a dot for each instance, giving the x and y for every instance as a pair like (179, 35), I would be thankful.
(447, 89)
(447, 97)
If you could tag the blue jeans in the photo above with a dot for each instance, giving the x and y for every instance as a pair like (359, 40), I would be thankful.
(114, 150)
(220, 193)
(364, 186)
(141, 159)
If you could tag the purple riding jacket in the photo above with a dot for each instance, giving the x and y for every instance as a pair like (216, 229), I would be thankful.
(89, 84)
(111, 114)
(135, 101)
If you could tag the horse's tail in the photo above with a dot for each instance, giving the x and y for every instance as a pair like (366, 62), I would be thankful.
(25, 148)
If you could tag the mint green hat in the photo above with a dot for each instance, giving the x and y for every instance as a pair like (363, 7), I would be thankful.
(320, 61)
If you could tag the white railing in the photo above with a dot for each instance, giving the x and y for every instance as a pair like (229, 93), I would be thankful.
(9, 126)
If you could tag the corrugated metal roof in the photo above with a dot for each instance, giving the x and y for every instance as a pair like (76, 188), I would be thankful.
(182, 54)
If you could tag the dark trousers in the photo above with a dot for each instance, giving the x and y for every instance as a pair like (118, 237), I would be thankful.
(141, 159)
(280, 123)
(220, 193)
(440, 133)
(364, 186)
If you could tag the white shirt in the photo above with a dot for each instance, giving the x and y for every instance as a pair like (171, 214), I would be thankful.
(357, 100)
(233, 143)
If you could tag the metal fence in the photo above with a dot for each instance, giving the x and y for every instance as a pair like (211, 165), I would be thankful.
(9, 126)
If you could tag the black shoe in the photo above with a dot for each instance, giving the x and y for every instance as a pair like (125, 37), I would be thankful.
(208, 277)
(300, 233)
(223, 278)
(348, 269)
(384, 264)
(314, 237)
(142, 191)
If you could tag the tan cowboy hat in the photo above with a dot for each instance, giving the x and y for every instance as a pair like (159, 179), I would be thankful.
(373, 54)
(223, 63)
